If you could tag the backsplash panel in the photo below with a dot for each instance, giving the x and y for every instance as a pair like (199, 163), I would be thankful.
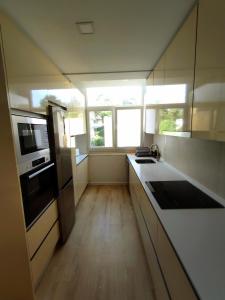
(202, 160)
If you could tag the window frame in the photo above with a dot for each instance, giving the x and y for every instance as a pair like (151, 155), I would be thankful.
(95, 109)
(114, 110)
(158, 107)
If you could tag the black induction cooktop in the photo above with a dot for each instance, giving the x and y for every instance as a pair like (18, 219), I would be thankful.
(180, 195)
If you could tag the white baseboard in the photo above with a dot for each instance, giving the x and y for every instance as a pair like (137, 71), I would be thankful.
(108, 183)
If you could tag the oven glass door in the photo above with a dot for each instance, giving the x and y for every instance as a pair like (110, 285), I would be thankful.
(38, 190)
(32, 137)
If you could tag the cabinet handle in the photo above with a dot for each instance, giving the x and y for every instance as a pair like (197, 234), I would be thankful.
(40, 171)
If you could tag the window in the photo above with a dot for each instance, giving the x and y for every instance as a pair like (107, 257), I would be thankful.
(114, 96)
(128, 127)
(165, 94)
(115, 116)
(100, 125)
(171, 120)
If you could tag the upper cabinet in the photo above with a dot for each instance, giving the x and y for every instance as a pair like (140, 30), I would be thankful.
(30, 73)
(170, 89)
(34, 80)
(209, 91)
(179, 78)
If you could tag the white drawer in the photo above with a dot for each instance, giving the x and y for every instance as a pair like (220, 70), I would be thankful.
(44, 254)
(177, 281)
(41, 228)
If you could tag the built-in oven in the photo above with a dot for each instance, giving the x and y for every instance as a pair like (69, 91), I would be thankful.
(39, 190)
(31, 141)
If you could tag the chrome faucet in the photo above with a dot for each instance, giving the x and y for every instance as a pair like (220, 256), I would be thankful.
(154, 149)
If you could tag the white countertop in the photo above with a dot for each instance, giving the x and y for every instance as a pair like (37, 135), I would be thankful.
(197, 235)
(80, 158)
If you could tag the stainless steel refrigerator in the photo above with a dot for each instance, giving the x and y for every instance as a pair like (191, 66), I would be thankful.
(61, 154)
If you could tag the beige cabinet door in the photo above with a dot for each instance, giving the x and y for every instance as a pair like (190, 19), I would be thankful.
(147, 227)
(159, 74)
(80, 179)
(179, 60)
(209, 91)
(44, 254)
(30, 73)
(84, 174)
(40, 229)
(178, 284)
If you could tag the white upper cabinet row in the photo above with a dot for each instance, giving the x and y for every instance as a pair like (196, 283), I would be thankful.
(209, 92)
(34, 80)
(186, 89)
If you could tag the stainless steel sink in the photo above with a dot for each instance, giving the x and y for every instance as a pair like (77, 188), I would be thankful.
(145, 161)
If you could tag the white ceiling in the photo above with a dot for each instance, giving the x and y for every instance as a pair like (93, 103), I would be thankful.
(129, 35)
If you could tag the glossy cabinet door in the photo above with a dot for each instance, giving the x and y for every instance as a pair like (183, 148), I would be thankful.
(30, 73)
(76, 113)
(159, 73)
(209, 91)
(169, 91)
(150, 113)
(150, 120)
(179, 60)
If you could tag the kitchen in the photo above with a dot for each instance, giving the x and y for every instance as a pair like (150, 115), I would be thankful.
(86, 211)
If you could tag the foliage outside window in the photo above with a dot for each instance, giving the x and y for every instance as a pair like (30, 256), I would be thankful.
(171, 120)
(100, 128)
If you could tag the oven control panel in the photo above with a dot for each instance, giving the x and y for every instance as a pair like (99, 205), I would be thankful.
(32, 164)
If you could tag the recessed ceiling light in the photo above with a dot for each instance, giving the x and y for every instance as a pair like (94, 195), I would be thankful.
(86, 27)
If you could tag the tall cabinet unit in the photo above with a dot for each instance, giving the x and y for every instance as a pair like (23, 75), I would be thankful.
(15, 280)
(209, 91)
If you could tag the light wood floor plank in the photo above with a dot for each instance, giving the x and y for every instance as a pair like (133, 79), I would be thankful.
(103, 258)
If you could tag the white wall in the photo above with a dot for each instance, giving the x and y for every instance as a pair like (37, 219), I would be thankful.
(147, 139)
(200, 159)
(108, 168)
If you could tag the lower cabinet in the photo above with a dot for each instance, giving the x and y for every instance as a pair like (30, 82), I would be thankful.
(40, 229)
(169, 279)
(138, 199)
(177, 281)
(42, 238)
(44, 254)
(80, 179)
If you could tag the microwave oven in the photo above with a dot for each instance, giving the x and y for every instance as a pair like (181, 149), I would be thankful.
(31, 142)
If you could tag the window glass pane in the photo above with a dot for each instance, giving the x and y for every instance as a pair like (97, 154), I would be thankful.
(128, 127)
(100, 128)
(171, 119)
(114, 96)
(165, 94)
(72, 98)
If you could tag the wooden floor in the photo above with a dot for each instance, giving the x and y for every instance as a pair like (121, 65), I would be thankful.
(103, 258)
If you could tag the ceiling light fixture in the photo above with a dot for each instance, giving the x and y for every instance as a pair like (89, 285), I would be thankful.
(85, 27)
